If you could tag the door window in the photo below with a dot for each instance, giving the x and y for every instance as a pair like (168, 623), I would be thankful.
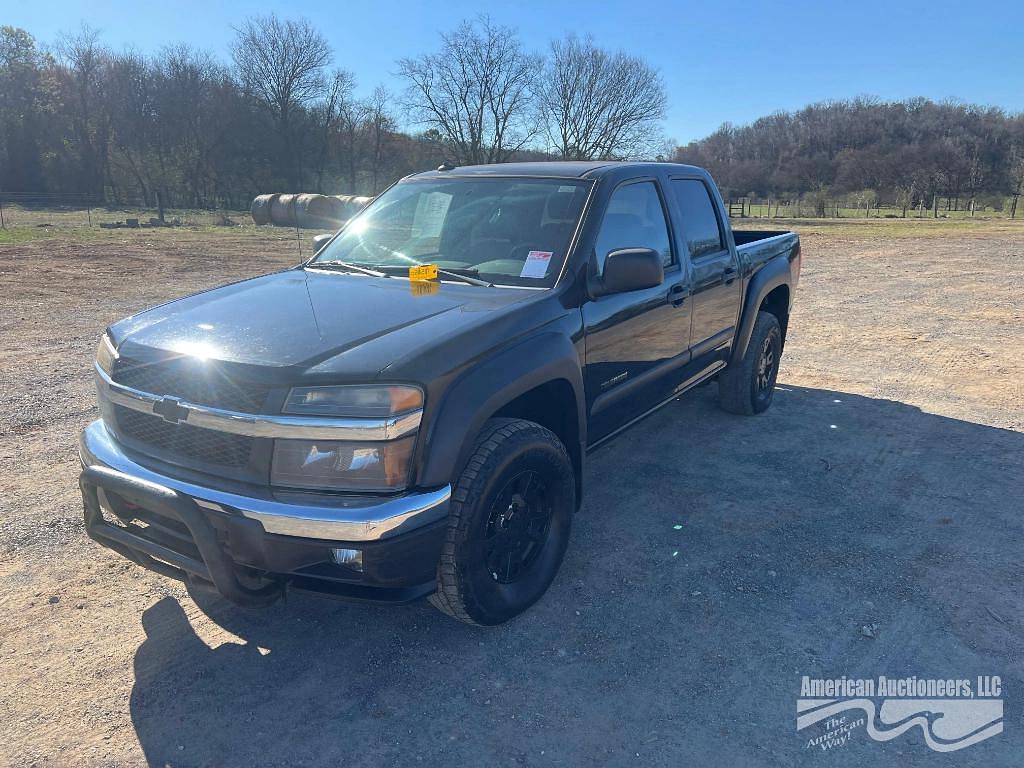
(703, 235)
(634, 219)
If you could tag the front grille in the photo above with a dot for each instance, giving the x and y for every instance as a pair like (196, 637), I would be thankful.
(195, 382)
(198, 445)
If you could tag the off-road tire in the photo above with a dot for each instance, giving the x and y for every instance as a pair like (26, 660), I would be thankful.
(739, 389)
(505, 448)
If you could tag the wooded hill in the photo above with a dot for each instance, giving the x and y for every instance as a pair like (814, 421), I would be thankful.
(905, 153)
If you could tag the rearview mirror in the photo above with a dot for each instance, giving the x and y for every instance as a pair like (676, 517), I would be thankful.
(320, 241)
(630, 269)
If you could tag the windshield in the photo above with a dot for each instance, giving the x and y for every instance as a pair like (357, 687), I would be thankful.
(506, 231)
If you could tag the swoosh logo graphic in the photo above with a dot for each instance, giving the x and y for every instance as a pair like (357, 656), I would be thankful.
(948, 725)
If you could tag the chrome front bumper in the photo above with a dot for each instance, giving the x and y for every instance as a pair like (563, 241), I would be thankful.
(313, 516)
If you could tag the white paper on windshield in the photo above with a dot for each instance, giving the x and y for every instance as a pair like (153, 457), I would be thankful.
(536, 265)
(431, 209)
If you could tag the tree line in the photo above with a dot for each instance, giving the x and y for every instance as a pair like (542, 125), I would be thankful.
(183, 128)
(187, 129)
(902, 153)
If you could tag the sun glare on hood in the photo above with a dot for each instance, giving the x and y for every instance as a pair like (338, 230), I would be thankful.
(199, 350)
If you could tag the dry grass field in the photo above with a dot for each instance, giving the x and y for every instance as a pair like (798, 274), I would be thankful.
(883, 488)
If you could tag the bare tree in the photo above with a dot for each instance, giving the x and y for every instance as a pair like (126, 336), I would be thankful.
(335, 104)
(281, 64)
(349, 135)
(598, 104)
(477, 92)
(85, 60)
(1016, 175)
(379, 127)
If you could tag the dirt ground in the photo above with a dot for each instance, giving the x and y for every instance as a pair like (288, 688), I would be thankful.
(716, 560)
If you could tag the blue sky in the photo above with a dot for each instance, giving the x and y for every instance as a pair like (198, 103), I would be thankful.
(720, 61)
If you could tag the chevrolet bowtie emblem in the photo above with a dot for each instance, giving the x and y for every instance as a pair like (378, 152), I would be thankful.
(171, 409)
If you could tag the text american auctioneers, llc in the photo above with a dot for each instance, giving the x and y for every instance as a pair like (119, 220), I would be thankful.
(953, 713)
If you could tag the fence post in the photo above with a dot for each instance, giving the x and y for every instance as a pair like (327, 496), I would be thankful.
(4, 226)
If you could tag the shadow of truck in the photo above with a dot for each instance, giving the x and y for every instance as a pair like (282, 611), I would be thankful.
(716, 560)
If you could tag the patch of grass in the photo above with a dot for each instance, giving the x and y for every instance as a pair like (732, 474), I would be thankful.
(894, 228)
(19, 235)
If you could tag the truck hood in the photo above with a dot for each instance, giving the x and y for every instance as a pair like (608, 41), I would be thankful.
(303, 317)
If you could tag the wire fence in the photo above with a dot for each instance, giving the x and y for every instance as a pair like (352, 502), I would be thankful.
(847, 208)
(80, 209)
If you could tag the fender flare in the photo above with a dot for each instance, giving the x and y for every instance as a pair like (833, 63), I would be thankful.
(485, 388)
(773, 274)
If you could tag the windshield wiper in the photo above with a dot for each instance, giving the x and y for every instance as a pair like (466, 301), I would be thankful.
(346, 265)
(464, 277)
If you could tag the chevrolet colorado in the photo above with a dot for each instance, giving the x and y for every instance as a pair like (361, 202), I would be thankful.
(407, 413)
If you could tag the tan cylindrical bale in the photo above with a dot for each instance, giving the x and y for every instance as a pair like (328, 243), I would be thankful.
(260, 209)
(352, 204)
(309, 211)
(318, 211)
(282, 210)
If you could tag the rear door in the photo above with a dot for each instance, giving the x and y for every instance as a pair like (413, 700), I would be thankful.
(716, 289)
(635, 340)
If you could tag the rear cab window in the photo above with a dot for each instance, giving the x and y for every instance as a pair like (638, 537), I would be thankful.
(703, 231)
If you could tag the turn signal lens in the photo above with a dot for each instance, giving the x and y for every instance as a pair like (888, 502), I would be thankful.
(354, 401)
(106, 355)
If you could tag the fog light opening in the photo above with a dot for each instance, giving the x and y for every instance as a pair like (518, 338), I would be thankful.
(350, 558)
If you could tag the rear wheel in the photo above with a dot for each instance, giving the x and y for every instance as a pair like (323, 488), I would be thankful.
(508, 526)
(747, 386)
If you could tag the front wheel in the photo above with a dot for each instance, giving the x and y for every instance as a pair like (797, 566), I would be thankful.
(747, 386)
(508, 525)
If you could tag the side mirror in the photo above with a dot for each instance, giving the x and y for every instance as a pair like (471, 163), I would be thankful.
(630, 269)
(319, 242)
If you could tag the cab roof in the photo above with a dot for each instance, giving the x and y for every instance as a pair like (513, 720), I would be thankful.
(564, 169)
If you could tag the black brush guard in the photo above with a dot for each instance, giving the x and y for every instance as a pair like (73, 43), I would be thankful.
(212, 565)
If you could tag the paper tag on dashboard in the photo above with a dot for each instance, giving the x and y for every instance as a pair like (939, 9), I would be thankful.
(423, 272)
(537, 263)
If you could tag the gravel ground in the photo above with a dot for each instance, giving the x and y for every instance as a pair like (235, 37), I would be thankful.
(717, 559)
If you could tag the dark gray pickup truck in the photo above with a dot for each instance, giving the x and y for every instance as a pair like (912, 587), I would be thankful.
(408, 413)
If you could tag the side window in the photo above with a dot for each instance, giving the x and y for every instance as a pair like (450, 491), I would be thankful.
(703, 234)
(634, 219)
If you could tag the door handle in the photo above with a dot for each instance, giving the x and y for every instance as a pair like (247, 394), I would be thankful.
(676, 295)
(729, 274)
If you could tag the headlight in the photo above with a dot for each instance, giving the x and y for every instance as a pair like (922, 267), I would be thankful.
(354, 401)
(348, 465)
(106, 355)
(342, 465)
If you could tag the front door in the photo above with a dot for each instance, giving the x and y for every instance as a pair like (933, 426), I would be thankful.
(635, 340)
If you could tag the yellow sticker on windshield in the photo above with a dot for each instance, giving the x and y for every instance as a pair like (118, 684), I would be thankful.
(423, 272)
(423, 287)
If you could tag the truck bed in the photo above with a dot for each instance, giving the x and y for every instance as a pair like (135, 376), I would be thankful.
(756, 248)
(749, 236)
